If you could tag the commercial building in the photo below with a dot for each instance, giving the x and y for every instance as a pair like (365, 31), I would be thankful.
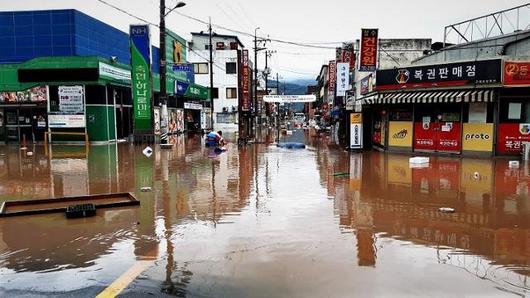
(64, 71)
(469, 98)
(227, 51)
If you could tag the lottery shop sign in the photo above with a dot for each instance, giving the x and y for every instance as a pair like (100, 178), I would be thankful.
(511, 136)
(470, 73)
(517, 73)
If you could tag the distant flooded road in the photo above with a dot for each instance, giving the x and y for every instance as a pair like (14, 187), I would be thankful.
(259, 221)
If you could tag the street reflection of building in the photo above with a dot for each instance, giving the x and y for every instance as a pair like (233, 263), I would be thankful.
(492, 218)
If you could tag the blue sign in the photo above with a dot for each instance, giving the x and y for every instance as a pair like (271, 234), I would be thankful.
(181, 87)
(140, 39)
(186, 68)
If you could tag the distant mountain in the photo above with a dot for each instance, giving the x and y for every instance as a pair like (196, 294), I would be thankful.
(297, 87)
(303, 82)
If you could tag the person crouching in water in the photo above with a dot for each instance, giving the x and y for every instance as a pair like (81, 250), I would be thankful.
(215, 139)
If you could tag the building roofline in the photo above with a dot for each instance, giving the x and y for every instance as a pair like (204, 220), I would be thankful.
(219, 35)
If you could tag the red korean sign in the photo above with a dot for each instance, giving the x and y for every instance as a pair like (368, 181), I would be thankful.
(511, 136)
(517, 73)
(438, 136)
(369, 42)
(349, 57)
(245, 100)
(332, 79)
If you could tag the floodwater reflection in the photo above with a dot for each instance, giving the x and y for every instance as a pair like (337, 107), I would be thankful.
(262, 221)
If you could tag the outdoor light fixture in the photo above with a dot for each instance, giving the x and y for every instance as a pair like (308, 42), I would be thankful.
(178, 5)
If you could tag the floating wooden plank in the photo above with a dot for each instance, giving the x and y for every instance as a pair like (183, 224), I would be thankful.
(56, 205)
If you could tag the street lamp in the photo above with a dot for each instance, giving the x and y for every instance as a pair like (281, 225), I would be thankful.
(163, 64)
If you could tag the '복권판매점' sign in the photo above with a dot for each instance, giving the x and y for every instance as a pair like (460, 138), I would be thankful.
(369, 43)
(442, 75)
(516, 73)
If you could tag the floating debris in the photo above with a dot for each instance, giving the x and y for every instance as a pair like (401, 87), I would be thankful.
(148, 151)
(341, 174)
(446, 210)
(513, 164)
(146, 189)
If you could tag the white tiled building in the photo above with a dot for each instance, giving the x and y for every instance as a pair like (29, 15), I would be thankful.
(225, 74)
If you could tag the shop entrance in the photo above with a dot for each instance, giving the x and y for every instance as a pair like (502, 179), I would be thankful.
(438, 129)
(25, 123)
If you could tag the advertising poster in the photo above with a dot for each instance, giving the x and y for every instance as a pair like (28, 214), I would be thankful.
(356, 131)
(517, 73)
(369, 44)
(156, 115)
(180, 120)
(141, 76)
(172, 128)
(69, 111)
(400, 133)
(478, 137)
(36, 94)
(511, 136)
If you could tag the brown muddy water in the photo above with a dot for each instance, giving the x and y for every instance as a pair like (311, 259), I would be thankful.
(259, 221)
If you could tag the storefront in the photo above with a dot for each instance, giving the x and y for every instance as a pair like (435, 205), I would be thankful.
(66, 94)
(514, 108)
(447, 108)
(191, 99)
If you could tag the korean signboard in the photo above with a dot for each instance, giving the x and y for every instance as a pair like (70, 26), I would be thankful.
(511, 136)
(369, 43)
(69, 112)
(441, 75)
(141, 76)
(110, 72)
(348, 56)
(517, 73)
(343, 78)
(187, 69)
(245, 99)
(332, 80)
(356, 131)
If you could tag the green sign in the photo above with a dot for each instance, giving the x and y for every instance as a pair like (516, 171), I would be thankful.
(141, 77)
(197, 92)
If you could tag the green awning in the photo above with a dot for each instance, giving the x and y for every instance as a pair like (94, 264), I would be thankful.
(9, 80)
(197, 92)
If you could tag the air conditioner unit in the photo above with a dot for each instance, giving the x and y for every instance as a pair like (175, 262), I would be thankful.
(220, 45)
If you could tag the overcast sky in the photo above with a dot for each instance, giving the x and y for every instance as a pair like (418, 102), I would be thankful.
(306, 21)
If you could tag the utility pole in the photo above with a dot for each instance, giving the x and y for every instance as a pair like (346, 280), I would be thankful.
(211, 71)
(163, 67)
(163, 63)
(268, 54)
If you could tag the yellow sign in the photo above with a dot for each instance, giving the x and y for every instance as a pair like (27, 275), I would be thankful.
(356, 118)
(400, 134)
(478, 137)
(398, 169)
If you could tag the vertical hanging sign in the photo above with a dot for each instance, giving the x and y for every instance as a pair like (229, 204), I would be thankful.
(343, 78)
(141, 76)
(332, 80)
(369, 41)
(356, 131)
(245, 104)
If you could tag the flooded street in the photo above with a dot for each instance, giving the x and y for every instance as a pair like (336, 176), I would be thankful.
(259, 221)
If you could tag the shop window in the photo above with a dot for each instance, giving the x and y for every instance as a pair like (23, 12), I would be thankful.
(200, 68)
(478, 112)
(231, 92)
(215, 93)
(231, 68)
(514, 111)
(95, 94)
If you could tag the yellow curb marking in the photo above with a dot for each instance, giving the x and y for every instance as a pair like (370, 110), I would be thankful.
(125, 279)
